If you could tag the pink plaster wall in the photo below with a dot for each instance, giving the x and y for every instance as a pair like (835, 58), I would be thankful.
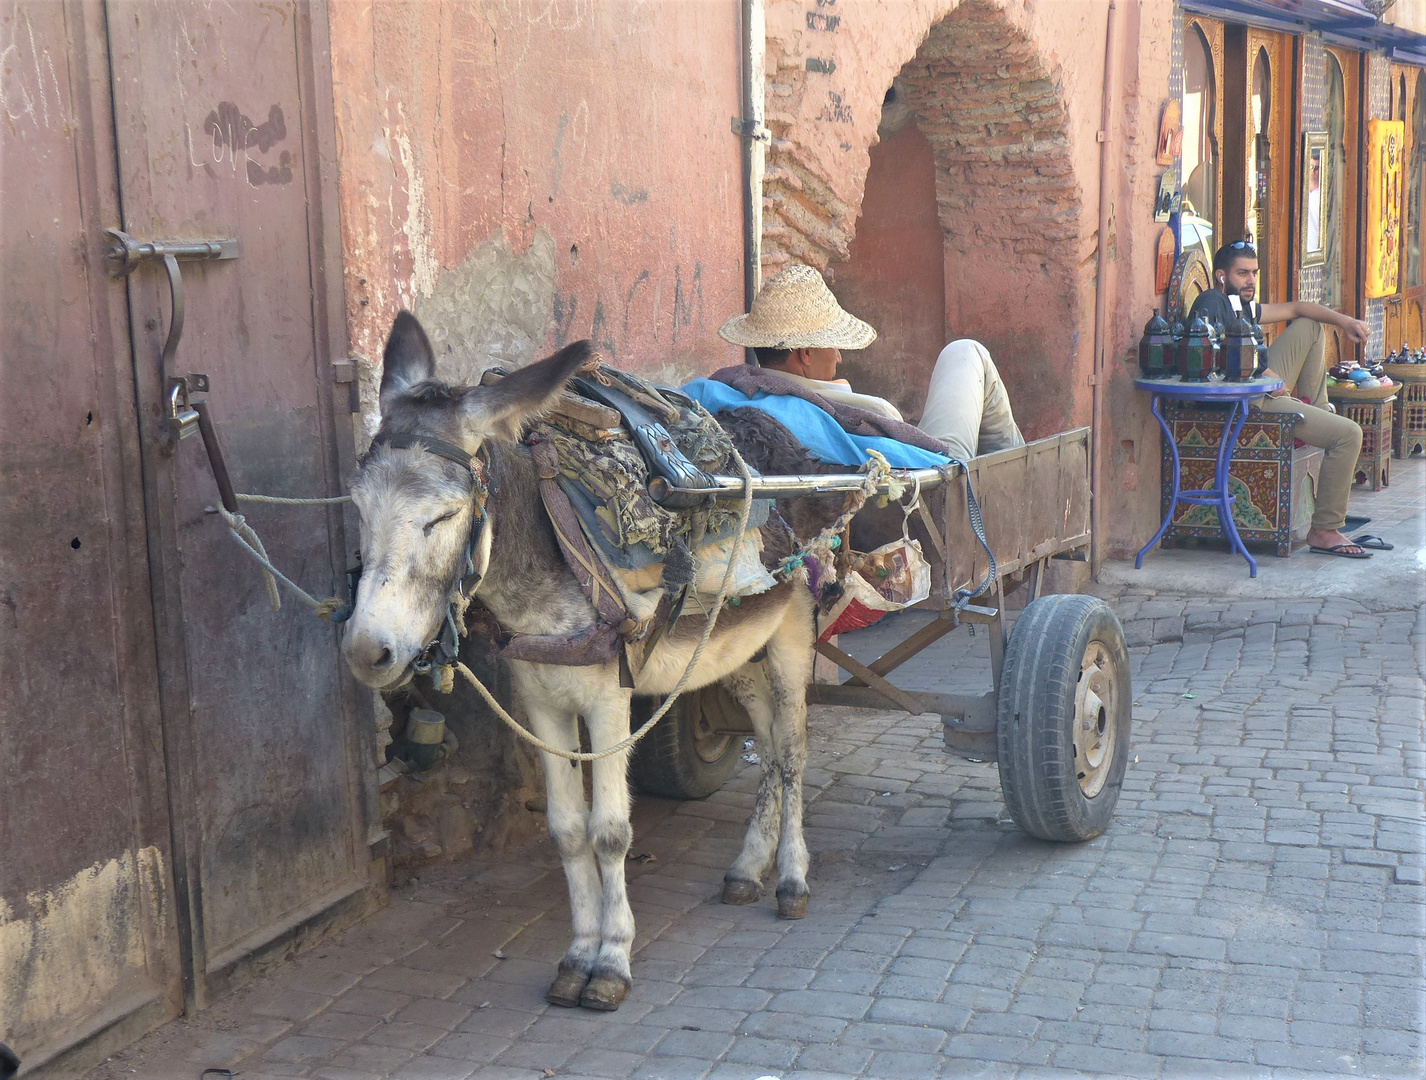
(541, 171)
(571, 159)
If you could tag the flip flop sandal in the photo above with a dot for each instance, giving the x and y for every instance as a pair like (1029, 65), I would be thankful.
(1356, 521)
(1367, 540)
(1341, 552)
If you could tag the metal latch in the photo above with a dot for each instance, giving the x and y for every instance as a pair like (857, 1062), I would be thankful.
(124, 255)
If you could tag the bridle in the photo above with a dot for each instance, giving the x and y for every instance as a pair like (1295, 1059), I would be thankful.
(442, 650)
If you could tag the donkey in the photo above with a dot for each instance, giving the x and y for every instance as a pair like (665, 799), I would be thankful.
(419, 507)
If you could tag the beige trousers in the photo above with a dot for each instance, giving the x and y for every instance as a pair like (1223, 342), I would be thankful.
(1299, 356)
(966, 404)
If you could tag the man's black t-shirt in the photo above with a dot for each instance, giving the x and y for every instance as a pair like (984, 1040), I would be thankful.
(1217, 307)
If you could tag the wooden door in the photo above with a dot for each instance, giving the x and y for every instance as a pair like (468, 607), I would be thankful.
(188, 780)
(223, 128)
(89, 951)
(1268, 148)
(1341, 212)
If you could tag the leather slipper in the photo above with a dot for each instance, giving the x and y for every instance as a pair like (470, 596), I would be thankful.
(1340, 551)
(1355, 521)
(1367, 540)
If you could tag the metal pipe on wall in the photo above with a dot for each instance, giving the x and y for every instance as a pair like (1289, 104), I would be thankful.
(1101, 301)
(754, 136)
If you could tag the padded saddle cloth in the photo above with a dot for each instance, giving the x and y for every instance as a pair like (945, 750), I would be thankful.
(606, 481)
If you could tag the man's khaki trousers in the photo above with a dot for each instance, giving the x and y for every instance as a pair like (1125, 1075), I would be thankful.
(967, 407)
(1298, 355)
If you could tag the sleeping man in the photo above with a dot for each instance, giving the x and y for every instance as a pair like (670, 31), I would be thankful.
(798, 330)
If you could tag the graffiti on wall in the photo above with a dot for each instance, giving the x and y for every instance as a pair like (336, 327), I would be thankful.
(639, 301)
(229, 139)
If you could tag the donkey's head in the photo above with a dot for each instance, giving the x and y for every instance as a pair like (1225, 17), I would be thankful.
(420, 504)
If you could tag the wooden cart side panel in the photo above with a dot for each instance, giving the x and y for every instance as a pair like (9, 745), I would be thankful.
(1034, 501)
(1074, 483)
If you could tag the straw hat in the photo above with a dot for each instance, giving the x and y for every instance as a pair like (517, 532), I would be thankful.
(796, 310)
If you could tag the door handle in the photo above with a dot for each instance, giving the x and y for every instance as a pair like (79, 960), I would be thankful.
(124, 255)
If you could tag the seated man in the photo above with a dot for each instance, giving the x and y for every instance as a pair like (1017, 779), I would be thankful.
(1297, 357)
(798, 330)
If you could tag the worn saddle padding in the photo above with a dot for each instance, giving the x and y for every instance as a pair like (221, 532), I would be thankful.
(604, 640)
(749, 380)
(661, 454)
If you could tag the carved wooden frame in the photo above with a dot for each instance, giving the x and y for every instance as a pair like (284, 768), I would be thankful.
(1276, 257)
(1212, 31)
(1314, 143)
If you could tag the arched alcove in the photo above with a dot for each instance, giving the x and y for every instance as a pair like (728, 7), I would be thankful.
(1008, 209)
(894, 272)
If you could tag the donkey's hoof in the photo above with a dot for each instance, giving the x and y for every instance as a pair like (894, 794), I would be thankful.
(604, 993)
(792, 904)
(741, 892)
(569, 984)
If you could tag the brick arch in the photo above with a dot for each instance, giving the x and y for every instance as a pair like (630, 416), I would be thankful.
(1007, 198)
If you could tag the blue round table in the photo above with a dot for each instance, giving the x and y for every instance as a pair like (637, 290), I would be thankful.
(1235, 394)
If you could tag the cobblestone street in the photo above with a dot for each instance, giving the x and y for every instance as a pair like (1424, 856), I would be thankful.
(1255, 909)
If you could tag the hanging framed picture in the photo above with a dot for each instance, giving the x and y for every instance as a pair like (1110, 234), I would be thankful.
(1386, 144)
(1315, 166)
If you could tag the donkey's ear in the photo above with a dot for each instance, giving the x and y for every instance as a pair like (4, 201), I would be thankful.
(501, 411)
(408, 359)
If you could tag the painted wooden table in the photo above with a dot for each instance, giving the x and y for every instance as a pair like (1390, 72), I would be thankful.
(1237, 395)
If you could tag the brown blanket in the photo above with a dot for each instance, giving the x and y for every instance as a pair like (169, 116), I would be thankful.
(750, 380)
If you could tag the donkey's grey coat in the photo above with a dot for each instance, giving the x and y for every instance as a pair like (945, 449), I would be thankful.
(416, 515)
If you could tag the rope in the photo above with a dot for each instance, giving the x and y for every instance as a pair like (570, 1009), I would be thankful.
(277, 500)
(830, 538)
(333, 609)
(539, 744)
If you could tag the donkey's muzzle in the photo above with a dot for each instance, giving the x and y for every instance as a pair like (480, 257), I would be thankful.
(373, 659)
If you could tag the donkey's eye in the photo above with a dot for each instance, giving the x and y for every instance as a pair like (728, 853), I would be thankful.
(438, 521)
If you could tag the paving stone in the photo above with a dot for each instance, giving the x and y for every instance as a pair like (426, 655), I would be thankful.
(303, 1049)
(346, 1026)
(410, 981)
(294, 1005)
(434, 1068)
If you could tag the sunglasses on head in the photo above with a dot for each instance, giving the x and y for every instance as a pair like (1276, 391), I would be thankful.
(1237, 245)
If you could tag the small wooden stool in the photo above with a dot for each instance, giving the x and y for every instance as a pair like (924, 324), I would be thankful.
(1372, 410)
(1409, 428)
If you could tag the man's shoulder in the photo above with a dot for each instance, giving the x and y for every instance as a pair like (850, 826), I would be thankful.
(1213, 305)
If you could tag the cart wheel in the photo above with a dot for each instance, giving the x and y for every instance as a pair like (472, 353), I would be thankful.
(684, 757)
(1062, 729)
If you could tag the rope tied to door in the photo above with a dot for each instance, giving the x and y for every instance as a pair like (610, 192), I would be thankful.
(333, 608)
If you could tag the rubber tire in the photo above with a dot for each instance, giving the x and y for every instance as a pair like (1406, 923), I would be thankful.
(1036, 714)
(665, 762)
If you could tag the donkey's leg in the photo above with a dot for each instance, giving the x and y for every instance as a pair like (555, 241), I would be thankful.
(742, 884)
(610, 834)
(789, 670)
(568, 821)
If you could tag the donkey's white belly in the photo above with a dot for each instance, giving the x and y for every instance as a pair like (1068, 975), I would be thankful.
(726, 651)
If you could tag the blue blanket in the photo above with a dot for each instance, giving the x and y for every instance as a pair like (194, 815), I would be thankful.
(815, 429)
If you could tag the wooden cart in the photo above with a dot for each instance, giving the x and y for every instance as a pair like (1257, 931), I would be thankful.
(1056, 717)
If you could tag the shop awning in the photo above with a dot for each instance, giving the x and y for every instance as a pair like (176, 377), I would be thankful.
(1341, 22)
